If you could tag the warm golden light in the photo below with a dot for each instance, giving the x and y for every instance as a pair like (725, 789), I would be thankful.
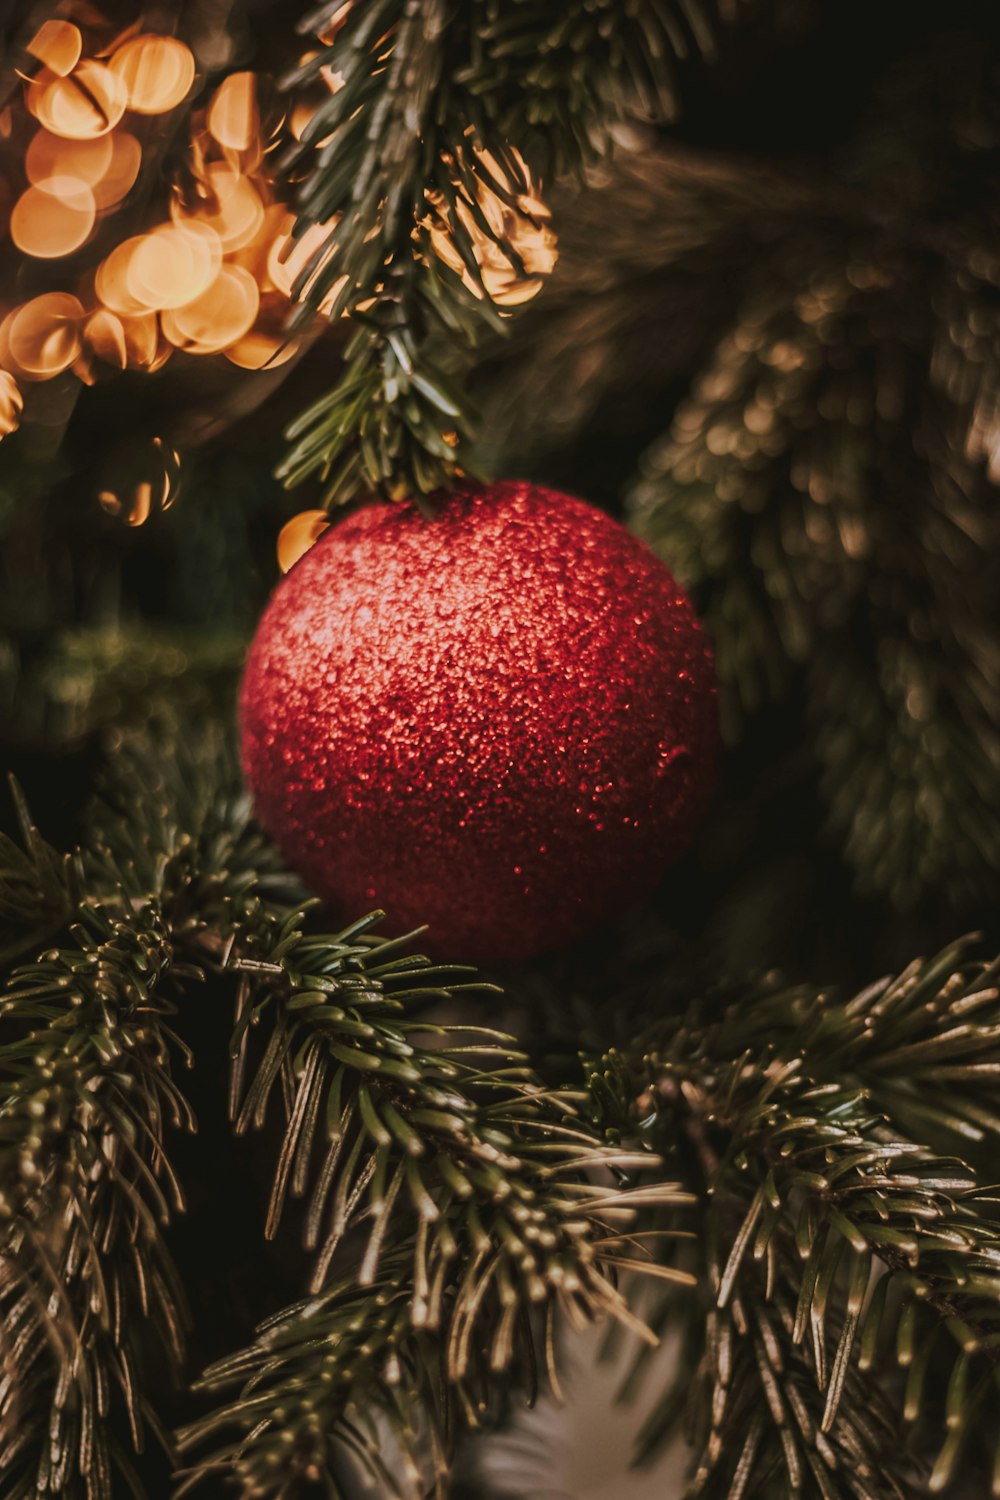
(278, 220)
(111, 282)
(104, 335)
(298, 535)
(123, 169)
(84, 106)
(333, 25)
(58, 45)
(306, 106)
(214, 279)
(11, 404)
(163, 353)
(233, 117)
(109, 165)
(299, 118)
(290, 258)
(220, 316)
(51, 155)
(526, 226)
(266, 345)
(232, 207)
(42, 338)
(173, 264)
(53, 218)
(123, 342)
(143, 346)
(258, 350)
(156, 72)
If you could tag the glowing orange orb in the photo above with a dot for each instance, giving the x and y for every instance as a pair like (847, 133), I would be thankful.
(42, 338)
(58, 45)
(11, 404)
(298, 535)
(83, 106)
(52, 218)
(156, 71)
(232, 207)
(233, 117)
(174, 264)
(111, 282)
(267, 344)
(220, 316)
(291, 258)
(51, 155)
(260, 350)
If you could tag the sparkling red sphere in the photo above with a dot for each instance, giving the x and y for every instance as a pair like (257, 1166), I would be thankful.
(500, 722)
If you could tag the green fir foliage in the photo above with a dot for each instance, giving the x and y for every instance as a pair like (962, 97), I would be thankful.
(425, 84)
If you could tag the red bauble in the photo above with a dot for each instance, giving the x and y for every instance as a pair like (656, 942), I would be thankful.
(500, 722)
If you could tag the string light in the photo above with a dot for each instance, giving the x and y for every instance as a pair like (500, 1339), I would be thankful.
(156, 71)
(198, 282)
(523, 222)
(233, 117)
(290, 258)
(229, 204)
(172, 265)
(42, 338)
(216, 273)
(11, 404)
(53, 217)
(298, 535)
(85, 104)
(222, 314)
(58, 46)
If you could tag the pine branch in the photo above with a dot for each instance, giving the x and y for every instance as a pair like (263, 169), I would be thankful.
(458, 1210)
(172, 821)
(852, 1271)
(86, 1096)
(924, 1044)
(328, 1379)
(462, 1189)
(36, 885)
(432, 1160)
(418, 82)
(86, 1190)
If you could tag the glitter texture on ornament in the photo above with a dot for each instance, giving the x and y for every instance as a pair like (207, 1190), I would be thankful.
(500, 721)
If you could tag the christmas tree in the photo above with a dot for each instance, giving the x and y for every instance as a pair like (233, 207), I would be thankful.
(685, 1087)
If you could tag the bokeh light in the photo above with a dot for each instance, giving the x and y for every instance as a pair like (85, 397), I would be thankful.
(53, 218)
(230, 205)
(42, 338)
(215, 268)
(223, 313)
(233, 118)
(11, 404)
(524, 222)
(298, 535)
(291, 257)
(58, 45)
(156, 71)
(83, 106)
(173, 265)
